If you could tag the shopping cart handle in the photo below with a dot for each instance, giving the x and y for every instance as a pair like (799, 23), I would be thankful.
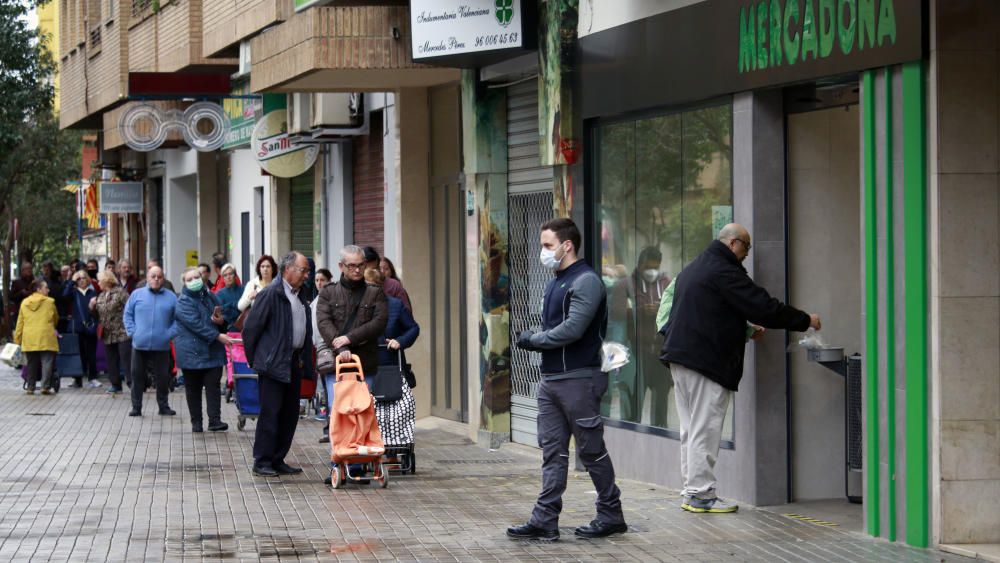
(354, 366)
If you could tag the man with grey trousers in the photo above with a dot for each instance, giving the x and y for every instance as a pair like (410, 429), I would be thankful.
(574, 320)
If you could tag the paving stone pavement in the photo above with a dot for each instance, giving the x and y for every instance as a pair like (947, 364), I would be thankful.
(81, 481)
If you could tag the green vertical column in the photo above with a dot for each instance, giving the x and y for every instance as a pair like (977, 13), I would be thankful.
(915, 302)
(559, 145)
(484, 136)
(872, 484)
(890, 313)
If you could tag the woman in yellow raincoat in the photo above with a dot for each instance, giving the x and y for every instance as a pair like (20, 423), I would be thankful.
(36, 334)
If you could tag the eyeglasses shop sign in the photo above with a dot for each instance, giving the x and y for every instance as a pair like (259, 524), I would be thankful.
(444, 27)
(121, 197)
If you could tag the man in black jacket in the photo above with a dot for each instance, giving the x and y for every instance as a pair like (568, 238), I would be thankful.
(705, 337)
(277, 339)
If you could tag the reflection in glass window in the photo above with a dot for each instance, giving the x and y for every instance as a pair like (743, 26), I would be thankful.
(664, 188)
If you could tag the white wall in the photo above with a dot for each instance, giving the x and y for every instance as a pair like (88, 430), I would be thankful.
(244, 176)
(598, 15)
(180, 213)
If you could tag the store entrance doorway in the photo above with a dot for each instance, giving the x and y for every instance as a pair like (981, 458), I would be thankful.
(824, 276)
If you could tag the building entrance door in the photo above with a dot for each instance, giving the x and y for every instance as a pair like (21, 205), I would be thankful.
(824, 276)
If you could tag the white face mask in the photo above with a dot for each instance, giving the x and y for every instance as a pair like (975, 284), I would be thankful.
(549, 260)
(650, 275)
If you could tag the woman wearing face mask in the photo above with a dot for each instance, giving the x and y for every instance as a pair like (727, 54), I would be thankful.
(200, 341)
(646, 287)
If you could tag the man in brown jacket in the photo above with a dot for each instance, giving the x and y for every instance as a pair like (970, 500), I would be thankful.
(351, 315)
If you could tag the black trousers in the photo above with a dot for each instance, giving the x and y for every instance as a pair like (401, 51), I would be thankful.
(119, 358)
(157, 363)
(572, 407)
(88, 355)
(279, 415)
(194, 381)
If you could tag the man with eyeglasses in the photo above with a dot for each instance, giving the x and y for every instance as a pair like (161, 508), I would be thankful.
(277, 339)
(351, 314)
(714, 311)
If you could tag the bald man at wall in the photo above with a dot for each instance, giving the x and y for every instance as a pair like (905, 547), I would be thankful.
(715, 308)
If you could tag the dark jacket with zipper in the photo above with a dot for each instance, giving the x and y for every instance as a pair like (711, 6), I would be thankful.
(267, 334)
(574, 321)
(196, 339)
(337, 302)
(714, 298)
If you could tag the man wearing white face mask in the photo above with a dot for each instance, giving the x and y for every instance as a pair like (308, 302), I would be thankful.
(574, 320)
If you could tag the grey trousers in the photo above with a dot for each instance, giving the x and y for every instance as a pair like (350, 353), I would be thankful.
(40, 365)
(572, 407)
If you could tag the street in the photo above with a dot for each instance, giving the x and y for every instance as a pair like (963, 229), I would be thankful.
(81, 481)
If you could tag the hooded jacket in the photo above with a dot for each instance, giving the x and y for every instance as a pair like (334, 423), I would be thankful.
(36, 324)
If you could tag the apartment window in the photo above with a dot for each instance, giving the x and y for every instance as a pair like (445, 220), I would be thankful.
(664, 187)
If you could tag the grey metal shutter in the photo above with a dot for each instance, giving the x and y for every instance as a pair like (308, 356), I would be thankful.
(529, 205)
(302, 215)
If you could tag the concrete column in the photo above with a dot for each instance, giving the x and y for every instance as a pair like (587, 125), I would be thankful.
(758, 472)
(414, 216)
(208, 209)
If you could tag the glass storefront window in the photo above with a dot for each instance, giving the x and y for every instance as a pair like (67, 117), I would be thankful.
(664, 188)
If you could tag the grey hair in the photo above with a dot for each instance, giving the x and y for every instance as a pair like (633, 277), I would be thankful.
(227, 266)
(190, 269)
(351, 250)
(289, 260)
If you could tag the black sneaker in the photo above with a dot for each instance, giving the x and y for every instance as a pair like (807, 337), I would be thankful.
(167, 412)
(598, 529)
(529, 532)
(218, 427)
(325, 439)
(135, 412)
(285, 469)
(264, 471)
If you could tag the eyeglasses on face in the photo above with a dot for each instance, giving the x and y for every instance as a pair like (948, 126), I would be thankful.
(352, 266)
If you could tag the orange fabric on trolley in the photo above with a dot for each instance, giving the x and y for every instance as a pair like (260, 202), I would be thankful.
(353, 426)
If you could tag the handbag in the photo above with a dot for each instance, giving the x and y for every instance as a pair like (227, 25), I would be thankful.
(388, 384)
(411, 379)
(238, 325)
(325, 361)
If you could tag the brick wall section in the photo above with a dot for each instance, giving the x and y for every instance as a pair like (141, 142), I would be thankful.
(226, 22)
(339, 38)
(93, 80)
(170, 40)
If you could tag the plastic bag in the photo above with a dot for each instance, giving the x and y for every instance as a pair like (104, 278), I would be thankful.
(11, 355)
(613, 356)
(808, 340)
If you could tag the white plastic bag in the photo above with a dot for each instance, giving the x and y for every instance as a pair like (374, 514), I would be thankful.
(808, 340)
(11, 355)
(613, 356)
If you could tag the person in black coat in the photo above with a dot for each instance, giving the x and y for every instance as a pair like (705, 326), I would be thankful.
(277, 339)
(709, 322)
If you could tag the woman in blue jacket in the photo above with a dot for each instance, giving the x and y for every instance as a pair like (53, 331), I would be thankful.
(79, 294)
(229, 296)
(200, 342)
(401, 330)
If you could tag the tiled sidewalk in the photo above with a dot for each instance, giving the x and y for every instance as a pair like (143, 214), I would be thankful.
(81, 481)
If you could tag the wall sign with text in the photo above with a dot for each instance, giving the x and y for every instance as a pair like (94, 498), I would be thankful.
(121, 197)
(445, 28)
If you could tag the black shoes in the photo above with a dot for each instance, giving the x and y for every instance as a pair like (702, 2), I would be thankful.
(135, 412)
(167, 412)
(218, 427)
(264, 471)
(598, 529)
(196, 427)
(325, 439)
(529, 532)
(285, 469)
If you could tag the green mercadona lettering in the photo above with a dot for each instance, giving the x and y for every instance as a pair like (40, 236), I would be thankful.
(776, 32)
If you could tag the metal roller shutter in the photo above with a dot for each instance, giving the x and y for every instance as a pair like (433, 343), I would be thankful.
(302, 216)
(529, 186)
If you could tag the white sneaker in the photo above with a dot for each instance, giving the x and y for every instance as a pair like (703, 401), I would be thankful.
(94, 384)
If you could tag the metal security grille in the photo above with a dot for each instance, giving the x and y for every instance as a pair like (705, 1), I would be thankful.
(854, 412)
(527, 213)
(302, 213)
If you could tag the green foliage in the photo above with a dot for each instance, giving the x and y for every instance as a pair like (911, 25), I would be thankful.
(26, 68)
